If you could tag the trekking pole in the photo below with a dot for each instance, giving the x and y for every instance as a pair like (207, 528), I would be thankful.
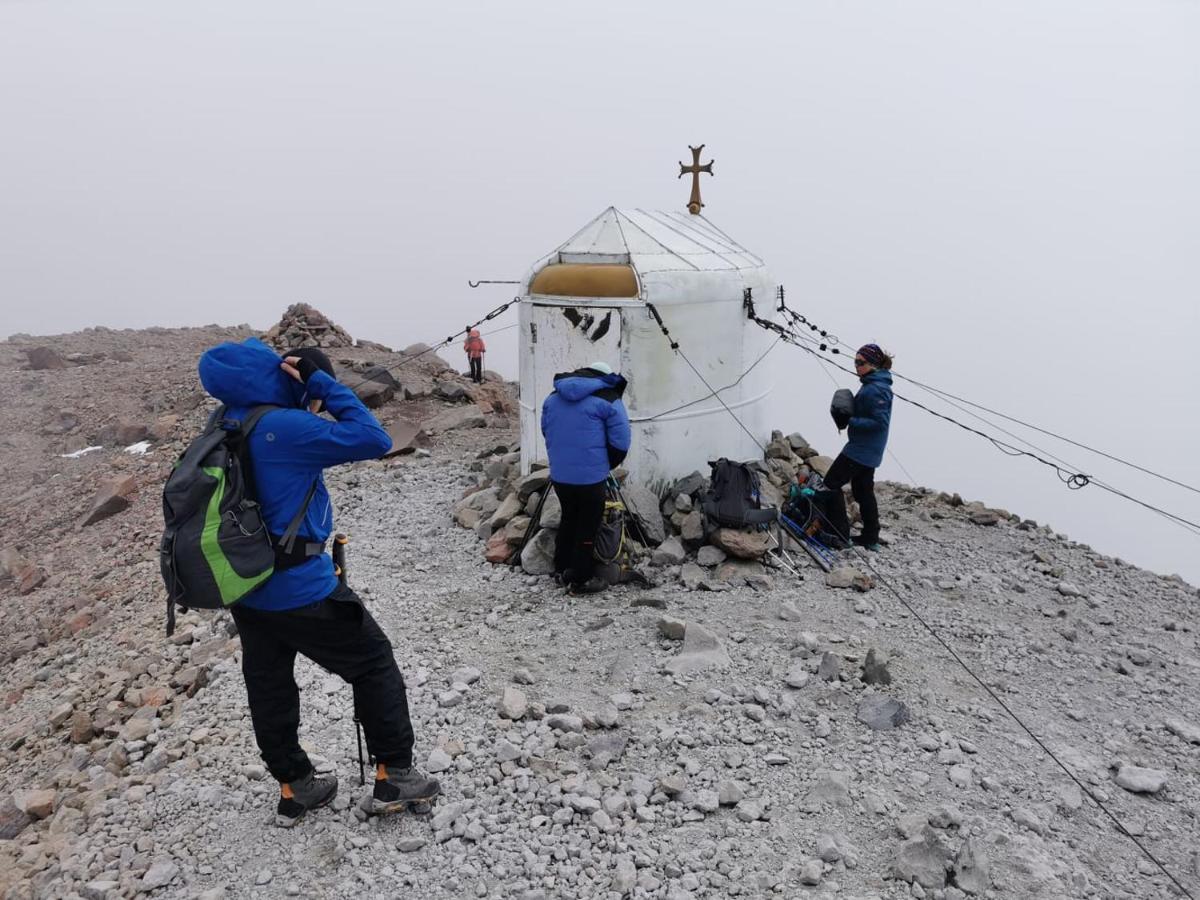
(339, 569)
(515, 559)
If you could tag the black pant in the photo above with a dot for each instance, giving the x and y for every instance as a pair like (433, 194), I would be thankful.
(862, 486)
(477, 369)
(339, 635)
(582, 512)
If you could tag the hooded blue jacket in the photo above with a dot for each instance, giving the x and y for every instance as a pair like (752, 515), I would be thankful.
(288, 449)
(868, 430)
(582, 419)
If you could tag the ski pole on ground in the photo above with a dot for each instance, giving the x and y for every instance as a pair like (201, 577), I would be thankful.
(339, 569)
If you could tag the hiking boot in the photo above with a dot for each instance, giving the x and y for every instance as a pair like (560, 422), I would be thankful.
(397, 789)
(298, 797)
(859, 541)
(831, 540)
(593, 585)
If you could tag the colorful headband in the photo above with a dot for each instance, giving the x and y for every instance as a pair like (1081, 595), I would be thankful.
(872, 354)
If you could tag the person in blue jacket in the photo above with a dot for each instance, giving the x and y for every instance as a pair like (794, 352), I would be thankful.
(302, 608)
(587, 434)
(868, 434)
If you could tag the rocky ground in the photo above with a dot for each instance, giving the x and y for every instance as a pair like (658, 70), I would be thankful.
(672, 741)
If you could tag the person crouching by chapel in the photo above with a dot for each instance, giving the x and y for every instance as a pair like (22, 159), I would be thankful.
(587, 434)
(302, 608)
(868, 434)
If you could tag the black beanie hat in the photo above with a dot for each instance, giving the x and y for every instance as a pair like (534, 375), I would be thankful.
(314, 356)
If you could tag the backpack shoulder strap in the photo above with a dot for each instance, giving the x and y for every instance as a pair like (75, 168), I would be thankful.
(214, 418)
(287, 540)
(252, 417)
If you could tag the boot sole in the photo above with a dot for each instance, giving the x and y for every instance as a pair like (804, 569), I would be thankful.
(418, 806)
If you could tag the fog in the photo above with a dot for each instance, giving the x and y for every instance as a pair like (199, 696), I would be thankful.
(1004, 195)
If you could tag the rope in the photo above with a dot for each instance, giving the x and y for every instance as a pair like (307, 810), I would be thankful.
(946, 646)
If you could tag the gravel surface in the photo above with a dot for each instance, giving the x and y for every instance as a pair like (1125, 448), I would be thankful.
(780, 761)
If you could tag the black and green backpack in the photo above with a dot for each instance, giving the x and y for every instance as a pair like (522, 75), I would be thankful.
(215, 547)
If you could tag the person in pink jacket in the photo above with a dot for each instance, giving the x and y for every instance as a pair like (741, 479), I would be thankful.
(475, 348)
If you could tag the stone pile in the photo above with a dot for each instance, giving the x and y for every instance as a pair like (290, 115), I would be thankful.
(667, 531)
(303, 326)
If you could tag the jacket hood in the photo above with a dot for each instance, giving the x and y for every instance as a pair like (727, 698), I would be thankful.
(248, 374)
(574, 386)
(877, 376)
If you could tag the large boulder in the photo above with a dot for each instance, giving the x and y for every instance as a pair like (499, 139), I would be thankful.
(493, 396)
(427, 358)
(41, 358)
(509, 507)
(454, 418)
(647, 520)
(701, 650)
(926, 860)
(112, 497)
(971, 869)
(450, 391)
(374, 385)
(497, 549)
(880, 713)
(742, 544)
(24, 574)
(533, 482)
(538, 556)
(820, 464)
(551, 509)
(122, 434)
(690, 484)
(691, 529)
(61, 421)
(406, 437)
(13, 820)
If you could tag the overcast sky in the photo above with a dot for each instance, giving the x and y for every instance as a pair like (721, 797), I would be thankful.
(1005, 194)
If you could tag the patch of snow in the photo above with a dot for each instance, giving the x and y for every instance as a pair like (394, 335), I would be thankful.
(138, 449)
(79, 453)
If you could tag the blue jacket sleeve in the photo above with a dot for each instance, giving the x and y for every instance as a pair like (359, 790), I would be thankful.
(873, 404)
(616, 427)
(317, 442)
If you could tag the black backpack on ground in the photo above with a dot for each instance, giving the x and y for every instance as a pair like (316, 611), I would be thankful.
(215, 547)
(733, 500)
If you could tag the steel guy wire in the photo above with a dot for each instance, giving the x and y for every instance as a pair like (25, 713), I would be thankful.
(797, 318)
(740, 378)
(499, 310)
(1074, 479)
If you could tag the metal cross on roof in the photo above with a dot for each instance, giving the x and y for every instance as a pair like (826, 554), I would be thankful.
(694, 204)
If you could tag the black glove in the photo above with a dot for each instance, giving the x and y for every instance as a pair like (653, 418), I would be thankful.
(307, 368)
